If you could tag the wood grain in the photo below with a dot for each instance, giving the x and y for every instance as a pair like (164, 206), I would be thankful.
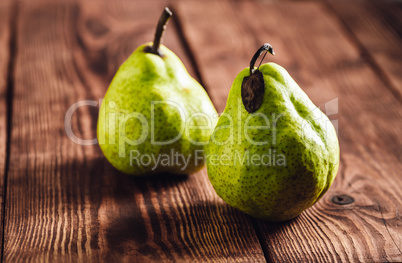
(64, 201)
(378, 31)
(6, 11)
(218, 44)
(311, 44)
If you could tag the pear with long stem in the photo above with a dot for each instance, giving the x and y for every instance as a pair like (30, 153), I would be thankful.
(155, 117)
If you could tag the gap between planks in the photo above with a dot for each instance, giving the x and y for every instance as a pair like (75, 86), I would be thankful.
(347, 75)
(190, 54)
(365, 53)
(214, 230)
(12, 48)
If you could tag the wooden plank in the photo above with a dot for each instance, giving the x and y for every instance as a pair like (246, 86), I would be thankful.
(377, 29)
(65, 202)
(6, 10)
(311, 44)
(222, 42)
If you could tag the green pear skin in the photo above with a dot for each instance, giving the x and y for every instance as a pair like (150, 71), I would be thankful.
(147, 83)
(299, 135)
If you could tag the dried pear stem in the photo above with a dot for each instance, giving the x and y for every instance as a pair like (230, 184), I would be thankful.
(159, 30)
(266, 47)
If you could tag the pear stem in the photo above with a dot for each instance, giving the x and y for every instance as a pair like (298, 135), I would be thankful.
(267, 48)
(159, 30)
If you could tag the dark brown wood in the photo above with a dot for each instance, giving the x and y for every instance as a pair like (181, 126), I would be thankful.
(377, 29)
(6, 10)
(64, 201)
(219, 45)
(311, 43)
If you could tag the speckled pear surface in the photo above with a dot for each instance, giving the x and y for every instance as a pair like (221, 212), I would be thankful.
(151, 100)
(298, 150)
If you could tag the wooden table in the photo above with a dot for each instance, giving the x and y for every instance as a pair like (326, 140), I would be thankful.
(63, 202)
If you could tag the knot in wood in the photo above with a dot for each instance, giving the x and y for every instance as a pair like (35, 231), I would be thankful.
(342, 199)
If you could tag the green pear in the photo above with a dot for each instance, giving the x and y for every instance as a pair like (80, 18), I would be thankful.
(273, 153)
(155, 117)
